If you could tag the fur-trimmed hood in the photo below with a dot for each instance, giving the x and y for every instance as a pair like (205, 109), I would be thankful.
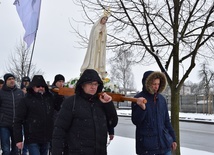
(148, 78)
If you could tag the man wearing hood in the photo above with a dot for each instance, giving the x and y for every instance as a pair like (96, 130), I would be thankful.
(35, 114)
(154, 132)
(10, 96)
(84, 118)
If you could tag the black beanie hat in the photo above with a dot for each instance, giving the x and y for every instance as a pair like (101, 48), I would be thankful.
(57, 78)
(7, 75)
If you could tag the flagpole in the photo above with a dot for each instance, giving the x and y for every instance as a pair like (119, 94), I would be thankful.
(31, 57)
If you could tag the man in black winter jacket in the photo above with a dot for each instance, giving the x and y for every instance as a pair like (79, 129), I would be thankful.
(35, 114)
(58, 82)
(84, 118)
(10, 95)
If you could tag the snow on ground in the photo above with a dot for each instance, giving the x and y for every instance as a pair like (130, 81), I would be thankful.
(126, 146)
(188, 116)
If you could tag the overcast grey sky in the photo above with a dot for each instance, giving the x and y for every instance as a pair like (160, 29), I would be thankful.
(55, 50)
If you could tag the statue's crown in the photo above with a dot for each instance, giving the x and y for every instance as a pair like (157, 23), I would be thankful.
(107, 12)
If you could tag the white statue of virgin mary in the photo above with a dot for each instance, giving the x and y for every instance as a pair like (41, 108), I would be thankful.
(95, 57)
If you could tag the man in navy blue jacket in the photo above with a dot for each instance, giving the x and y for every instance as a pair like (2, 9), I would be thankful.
(154, 132)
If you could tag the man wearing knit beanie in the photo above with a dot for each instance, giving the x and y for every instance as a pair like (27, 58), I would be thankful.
(8, 75)
(59, 80)
(10, 96)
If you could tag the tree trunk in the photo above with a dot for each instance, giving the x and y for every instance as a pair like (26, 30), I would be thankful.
(175, 118)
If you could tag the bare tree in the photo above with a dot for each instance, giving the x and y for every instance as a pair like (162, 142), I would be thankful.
(207, 76)
(121, 72)
(195, 88)
(166, 32)
(19, 63)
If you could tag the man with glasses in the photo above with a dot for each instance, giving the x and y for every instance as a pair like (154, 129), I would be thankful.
(84, 118)
(10, 95)
(35, 113)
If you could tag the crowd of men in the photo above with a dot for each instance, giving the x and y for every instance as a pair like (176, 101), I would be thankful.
(28, 113)
(35, 119)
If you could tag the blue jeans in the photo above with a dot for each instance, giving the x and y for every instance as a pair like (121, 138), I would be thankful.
(7, 141)
(168, 153)
(25, 150)
(38, 148)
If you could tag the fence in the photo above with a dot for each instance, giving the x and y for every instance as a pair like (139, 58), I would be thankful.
(188, 103)
(194, 103)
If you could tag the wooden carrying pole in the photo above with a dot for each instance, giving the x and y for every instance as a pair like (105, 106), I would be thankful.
(115, 97)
